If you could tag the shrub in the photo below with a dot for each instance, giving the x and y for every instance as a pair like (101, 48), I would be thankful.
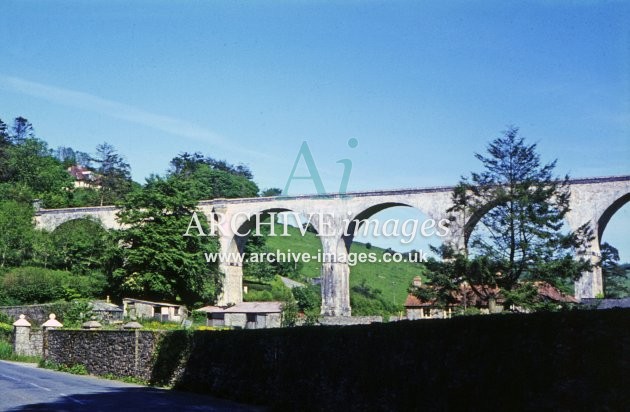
(34, 285)
(27, 285)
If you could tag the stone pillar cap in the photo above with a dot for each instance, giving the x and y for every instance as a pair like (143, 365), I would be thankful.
(52, 322)
(92, 324)
(21, 322)
(132, 325)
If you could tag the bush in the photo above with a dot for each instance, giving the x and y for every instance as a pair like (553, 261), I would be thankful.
(34, 285)
(28, 285)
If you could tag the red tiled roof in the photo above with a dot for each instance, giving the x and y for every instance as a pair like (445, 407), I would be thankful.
(550, 292)
(467, 295)
(413, 301)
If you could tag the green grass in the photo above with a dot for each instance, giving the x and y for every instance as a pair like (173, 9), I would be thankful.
(392, 279)
(76, 369)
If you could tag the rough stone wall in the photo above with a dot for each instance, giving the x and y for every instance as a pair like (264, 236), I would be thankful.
(121, 353)
(349, 320)
(236, 320)
(546, 361)
(37, 314)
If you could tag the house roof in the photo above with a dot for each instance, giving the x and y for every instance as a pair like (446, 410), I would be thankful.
(413, 302)
(102, 306)
(147, 302)
(548, 291)
(466, 295)
(245, 307)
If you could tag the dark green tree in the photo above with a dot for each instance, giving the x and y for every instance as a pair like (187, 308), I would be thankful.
(212, 178)
(615, 277)
(32, 172)
(16, 232)
(21, 131)
(114, 174)
(271, 192)
(80, 246)
(519, 208)
(158, 262)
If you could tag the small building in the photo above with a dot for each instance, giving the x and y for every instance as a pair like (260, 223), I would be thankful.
(83, 177)
(488, 299)
(417, 309)
(245, 315)
(106, 311)
(144, 309)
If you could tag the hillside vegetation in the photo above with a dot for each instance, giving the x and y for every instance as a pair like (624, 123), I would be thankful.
(366, 279)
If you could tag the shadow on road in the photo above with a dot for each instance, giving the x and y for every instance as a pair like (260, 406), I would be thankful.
(137, 399)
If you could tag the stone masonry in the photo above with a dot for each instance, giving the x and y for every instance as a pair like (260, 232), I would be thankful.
(593, 201)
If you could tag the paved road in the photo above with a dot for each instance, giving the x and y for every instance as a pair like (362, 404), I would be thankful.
(27, 388)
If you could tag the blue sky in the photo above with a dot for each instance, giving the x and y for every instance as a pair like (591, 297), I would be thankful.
(420, 85)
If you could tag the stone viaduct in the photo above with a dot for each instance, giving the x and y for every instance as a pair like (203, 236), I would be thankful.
(593, 200)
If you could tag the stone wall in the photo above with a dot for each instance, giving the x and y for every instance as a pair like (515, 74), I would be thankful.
(575, 360)
(348, 320)
(547, 361)
(102, 352)
(28, 342)
(36, 314)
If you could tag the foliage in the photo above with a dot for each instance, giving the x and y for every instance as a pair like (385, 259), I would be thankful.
(308, 299)
(289, 313)
(76, 313)
(114, 174)
(6, 331)
(525, 297)
(212, 178)
(271, 192)
(151, 324)
(366, 300)
(28, 164)
(16, 232)
(29, 284)
(615, 277)
(76, 369)
(80, 246)
(519, 206)
(126, 379)
(159, 263)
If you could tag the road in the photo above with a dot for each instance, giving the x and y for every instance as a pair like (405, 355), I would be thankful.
(25, 387)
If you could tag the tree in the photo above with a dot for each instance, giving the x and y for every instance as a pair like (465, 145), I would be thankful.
(21, 131)
(70, 157)
(80, 246)
(271, 192)
(34, 173)
(520, 207)
(616, 284)
(158, 262)
(114, 174)
(212, 178)
(16, 232)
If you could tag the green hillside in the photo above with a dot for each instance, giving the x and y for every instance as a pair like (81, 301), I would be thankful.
(392, 279)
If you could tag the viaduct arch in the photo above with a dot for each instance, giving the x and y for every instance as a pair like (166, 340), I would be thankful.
(593, 201)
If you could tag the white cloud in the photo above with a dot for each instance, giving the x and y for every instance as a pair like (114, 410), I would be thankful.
(89, 102)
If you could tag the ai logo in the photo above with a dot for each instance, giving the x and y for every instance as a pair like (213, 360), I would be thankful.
(313, 173)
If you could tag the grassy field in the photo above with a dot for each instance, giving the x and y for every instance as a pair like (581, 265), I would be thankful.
(392, 279)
